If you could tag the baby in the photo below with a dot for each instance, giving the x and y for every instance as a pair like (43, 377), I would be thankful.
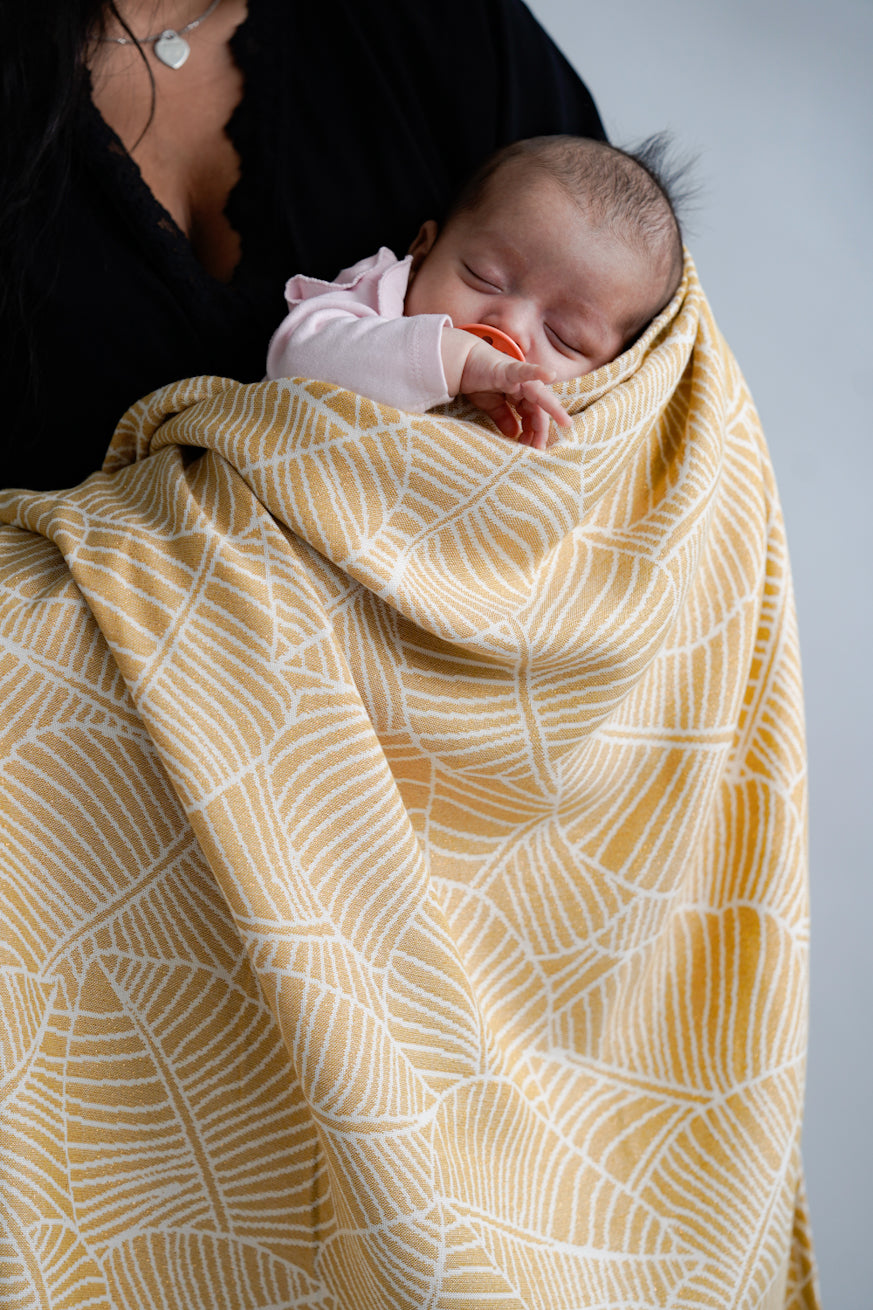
(567, 246)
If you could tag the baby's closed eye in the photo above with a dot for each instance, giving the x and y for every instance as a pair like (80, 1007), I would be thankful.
(483, 277)
(561, 343)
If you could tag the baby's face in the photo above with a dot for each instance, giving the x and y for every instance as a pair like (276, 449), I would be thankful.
(528, 261)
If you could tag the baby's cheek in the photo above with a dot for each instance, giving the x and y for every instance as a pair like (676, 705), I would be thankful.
(558, 364)
(431, 295)
(574, 368)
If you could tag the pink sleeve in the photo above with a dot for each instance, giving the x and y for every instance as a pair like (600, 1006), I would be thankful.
(352, 332)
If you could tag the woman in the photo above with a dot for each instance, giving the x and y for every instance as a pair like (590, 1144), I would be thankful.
(140, 244)
(402, 832)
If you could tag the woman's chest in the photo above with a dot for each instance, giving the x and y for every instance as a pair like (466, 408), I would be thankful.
(172, 123)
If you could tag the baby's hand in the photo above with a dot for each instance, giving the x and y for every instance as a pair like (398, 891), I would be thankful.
(490, 380)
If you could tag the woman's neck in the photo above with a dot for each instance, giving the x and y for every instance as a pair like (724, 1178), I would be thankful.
(147, 17)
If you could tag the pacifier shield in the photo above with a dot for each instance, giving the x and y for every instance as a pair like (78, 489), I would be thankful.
(494, 337)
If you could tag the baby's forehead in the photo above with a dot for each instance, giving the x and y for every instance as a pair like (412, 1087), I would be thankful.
(525, 203)
(516, 178)
(529, 216)
(571, 218)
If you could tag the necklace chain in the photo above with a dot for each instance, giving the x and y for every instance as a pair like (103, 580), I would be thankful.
(175, 31)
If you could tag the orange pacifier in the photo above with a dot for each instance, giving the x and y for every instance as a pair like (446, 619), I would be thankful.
(494, 337)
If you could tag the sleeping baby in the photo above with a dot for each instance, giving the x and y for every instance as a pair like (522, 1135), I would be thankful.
(553, 259)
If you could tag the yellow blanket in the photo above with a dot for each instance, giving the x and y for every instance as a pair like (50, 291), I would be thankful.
(403, 856)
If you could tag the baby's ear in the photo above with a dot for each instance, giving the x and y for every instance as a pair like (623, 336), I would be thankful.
(422, 245)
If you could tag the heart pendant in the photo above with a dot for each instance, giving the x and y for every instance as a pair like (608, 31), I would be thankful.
(172, 49)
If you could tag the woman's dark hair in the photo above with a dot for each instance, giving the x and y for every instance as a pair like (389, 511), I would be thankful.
(43, 75)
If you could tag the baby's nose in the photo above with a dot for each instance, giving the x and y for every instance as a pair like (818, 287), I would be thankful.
(516, 319)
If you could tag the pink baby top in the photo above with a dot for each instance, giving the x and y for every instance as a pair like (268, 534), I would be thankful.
(352, 332)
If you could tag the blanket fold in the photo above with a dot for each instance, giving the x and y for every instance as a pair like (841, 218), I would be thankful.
(403, 857)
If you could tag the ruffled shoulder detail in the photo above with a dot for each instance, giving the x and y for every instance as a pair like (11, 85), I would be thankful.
(378, 281)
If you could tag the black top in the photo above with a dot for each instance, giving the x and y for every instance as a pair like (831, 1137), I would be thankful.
(358, 121)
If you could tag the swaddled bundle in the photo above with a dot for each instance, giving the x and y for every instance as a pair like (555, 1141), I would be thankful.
(404, 855)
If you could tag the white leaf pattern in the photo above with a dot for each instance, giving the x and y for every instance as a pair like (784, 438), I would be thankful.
(403, 857)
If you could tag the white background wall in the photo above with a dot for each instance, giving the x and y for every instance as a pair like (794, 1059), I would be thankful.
(775, 96)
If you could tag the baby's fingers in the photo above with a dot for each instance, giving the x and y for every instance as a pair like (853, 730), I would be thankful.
(516, 372)
(487, 369)
(495, 405)
(536, 393)
(534, 425)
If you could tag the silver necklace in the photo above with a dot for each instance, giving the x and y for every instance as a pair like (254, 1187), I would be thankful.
(170, 46)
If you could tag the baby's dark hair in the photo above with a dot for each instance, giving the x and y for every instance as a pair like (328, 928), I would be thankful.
(630, 193)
